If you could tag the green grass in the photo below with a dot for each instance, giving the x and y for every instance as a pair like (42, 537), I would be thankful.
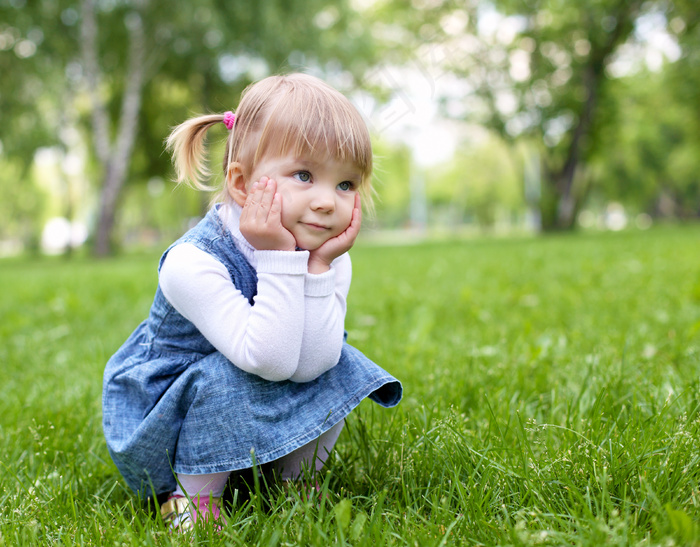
(552, 389)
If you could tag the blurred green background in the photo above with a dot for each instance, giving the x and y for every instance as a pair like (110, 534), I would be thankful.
(504, 116)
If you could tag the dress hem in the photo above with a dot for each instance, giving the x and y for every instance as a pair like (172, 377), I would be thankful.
(334, 416)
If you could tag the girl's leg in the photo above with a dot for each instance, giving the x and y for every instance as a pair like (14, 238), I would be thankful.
(292, 465)
(210, 484)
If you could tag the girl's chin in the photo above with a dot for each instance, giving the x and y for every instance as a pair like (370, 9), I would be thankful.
(306, 244)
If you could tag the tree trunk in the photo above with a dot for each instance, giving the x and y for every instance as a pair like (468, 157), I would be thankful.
(561, 181)
(114, 158)
(111, 187)
(559, 211)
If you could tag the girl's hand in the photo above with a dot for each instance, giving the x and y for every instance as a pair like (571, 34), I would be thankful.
(320, 259)
(261, 220)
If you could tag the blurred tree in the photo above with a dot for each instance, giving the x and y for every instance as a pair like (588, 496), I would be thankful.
(645, 151)
(683, 81)
(647, 155)
(546, 79)
(30, 87)
(20, 203)
(535, 71)
(480, 182)
(32, 83)
(137, 67)
(392, 172)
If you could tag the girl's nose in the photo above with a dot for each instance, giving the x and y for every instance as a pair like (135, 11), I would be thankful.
(323, 201)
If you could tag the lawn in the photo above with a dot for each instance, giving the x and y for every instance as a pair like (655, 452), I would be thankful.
(552, 392)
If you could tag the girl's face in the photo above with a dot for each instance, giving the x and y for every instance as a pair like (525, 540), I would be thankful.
(318, 195)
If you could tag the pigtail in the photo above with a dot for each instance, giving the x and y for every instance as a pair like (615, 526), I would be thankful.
(186, 144)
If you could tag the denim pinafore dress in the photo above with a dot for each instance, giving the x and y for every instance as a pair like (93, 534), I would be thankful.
(173, 404)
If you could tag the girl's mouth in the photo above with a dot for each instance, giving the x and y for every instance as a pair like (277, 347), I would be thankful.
(313, 226)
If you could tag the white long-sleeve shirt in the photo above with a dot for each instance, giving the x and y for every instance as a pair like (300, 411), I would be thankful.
(295, 329)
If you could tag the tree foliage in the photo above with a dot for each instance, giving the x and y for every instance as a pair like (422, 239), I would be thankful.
(647, 156)
(547, 72)
(480, 185)
(541, 74)
(129, 70)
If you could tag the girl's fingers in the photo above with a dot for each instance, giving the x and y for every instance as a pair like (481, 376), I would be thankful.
(261, 220)
(266, 200)
(276, 209)
(250, 203)
(251, 208)
(358, 210)
(245, 214)
(356, 220)
(256, 200)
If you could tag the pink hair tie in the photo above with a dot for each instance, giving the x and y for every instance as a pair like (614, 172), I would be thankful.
(229, 118)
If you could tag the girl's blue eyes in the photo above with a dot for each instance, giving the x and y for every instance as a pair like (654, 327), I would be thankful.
(305, 176)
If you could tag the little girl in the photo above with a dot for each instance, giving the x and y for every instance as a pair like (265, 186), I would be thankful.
(242, 359)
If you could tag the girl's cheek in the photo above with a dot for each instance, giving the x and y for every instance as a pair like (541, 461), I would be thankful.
(287, 195)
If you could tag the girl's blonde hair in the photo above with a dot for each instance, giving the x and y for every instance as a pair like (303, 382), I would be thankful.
(279, 115)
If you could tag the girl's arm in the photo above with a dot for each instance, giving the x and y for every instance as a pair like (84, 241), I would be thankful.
(264, 339)
(326, 291)
(324, 325)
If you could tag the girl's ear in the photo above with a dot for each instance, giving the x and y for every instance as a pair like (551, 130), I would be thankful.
(236, 183)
